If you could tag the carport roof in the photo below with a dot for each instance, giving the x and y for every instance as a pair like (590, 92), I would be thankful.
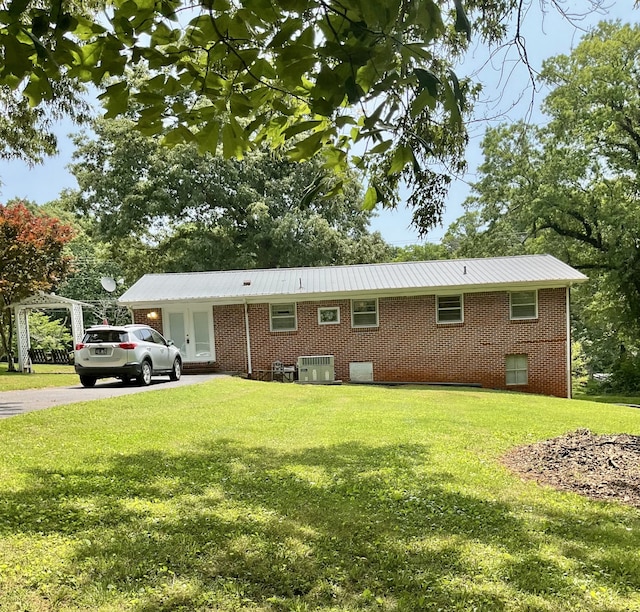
(404, 278)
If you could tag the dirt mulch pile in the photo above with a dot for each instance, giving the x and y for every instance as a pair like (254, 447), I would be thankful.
(598, 466)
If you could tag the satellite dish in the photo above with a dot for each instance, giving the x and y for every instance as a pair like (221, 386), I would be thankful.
(108, 284)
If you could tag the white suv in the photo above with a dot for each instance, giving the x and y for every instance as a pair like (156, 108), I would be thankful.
(125, 352)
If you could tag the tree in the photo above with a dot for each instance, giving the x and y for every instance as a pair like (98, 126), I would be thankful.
(572, 186)
(32, 259)
(302, 75)
(26, 132)
(47, 333)
(421, 252)
(177, 210)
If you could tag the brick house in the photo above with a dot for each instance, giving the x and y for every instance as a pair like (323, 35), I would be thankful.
(502, 323)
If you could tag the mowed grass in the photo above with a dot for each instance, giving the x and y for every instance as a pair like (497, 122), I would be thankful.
(240, 495)
(47, 375)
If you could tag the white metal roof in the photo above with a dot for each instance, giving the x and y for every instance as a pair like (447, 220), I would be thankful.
(405, 278)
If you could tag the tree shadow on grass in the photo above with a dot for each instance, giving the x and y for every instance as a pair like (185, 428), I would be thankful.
(347, 526)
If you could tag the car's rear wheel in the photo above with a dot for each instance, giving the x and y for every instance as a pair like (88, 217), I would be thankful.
(88, 381)
(176, 371)
(145, 374)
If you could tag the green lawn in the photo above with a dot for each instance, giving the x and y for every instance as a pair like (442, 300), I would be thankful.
(239, 495)
(43, 376)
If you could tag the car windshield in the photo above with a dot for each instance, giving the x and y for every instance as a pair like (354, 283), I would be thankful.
(104, 335)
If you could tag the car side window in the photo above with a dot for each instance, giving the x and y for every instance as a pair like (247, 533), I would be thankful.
(157, 338)
(143, 334)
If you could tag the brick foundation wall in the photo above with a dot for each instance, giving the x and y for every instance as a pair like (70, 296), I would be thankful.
(409, 345)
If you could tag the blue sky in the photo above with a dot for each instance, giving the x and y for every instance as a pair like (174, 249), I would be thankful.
(507, 95)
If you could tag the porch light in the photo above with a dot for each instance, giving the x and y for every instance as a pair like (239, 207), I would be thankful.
(153, 315)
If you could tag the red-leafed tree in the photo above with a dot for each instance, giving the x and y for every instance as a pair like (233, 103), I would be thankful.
(32, 258)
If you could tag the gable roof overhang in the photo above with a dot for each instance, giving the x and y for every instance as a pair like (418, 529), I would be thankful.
(345, 282)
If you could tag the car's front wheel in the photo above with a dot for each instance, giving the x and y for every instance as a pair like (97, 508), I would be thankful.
(145, 374)
(88, 381)
(176, 371)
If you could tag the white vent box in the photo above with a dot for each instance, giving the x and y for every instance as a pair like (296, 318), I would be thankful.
(316, 368)
(361, 371)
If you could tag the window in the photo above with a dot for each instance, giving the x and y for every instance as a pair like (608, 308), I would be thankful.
(143, 334)
(449, 308)
(157, 338)
(524, 304)
(283, 317)
(364, 313)
(329, 315)
(517, 370)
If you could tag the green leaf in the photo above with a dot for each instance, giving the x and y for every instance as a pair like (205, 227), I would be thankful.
(207, 137)
(383, 147)
(421, 101)
(116, 99)
(307, 148)
(462, 22)
(370, 199)
(402, 156)
(233, 141)
(179, 135)
(428, 81)
(17, 7)
(303, 126)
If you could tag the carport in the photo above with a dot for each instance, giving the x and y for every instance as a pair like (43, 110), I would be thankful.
(44, 301)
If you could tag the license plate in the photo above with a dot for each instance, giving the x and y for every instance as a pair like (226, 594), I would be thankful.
(101, 351)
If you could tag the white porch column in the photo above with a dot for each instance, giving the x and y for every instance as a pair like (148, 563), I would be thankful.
(77, 324)
(22, 321)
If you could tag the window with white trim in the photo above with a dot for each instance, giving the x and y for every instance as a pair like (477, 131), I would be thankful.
(449, 308)
(524, 304)
(364, 313)
(517, 367)
(283, 317)
(329, 315)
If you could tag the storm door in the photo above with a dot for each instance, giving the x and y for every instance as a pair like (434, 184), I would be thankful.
(191, 330)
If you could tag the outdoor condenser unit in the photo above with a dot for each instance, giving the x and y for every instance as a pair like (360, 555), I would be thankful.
(316, 368)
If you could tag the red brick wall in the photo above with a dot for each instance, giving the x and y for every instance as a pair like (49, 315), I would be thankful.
(141, 318)
(230, 337)
(408, 345)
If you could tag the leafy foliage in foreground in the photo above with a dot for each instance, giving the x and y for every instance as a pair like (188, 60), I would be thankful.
(302, 75)
(232, 495)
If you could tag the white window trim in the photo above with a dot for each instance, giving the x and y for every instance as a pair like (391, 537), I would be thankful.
(535, 303)
(377, 312)
(295, 317)
(321, 309)
(507, 370)
(450, 295)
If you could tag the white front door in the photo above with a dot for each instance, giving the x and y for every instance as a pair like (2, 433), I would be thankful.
(191, 330)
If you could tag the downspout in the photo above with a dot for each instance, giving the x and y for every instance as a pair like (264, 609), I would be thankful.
(246, 325)
(568, 316)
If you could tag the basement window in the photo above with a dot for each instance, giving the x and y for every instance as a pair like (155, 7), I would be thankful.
(283, 317)
(517, 368)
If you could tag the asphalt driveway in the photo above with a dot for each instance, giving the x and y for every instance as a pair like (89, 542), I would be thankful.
(28, 400)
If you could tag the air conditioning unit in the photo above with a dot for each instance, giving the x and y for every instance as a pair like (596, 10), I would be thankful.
(316, 368)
